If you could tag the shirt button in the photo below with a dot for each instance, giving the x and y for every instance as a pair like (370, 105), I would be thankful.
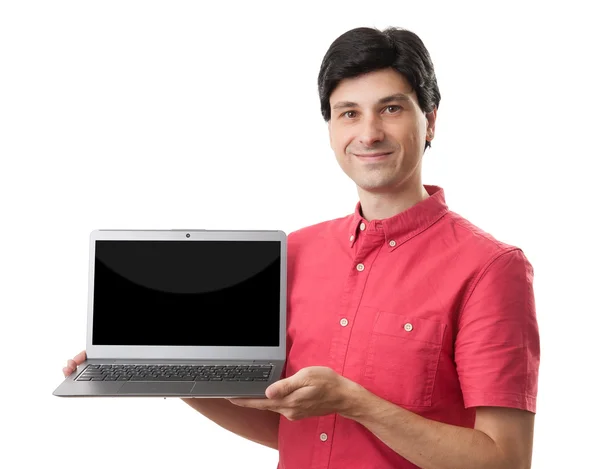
(360, 267)
(362, 227)
(323, 437)
(392, 243)
(352, 238)
(344, 322)
(408, 327)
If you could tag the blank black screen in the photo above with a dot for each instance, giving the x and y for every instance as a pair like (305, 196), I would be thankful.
(187, 293)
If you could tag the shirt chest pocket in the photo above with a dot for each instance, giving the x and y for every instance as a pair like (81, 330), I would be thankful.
(402, 358)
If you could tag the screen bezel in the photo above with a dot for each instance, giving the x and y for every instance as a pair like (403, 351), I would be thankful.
(188, 352)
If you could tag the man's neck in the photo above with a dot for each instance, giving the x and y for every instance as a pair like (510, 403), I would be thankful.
(381, 205)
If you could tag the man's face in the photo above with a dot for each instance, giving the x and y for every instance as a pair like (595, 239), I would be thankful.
(377, 130)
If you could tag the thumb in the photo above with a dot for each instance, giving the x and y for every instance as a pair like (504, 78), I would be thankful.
(280, 389)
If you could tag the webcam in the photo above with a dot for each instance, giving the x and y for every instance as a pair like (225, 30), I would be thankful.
(187, 235)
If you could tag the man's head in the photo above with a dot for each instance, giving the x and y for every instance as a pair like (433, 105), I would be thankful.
(379, 94)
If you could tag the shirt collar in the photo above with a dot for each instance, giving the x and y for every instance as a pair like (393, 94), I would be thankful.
(401, 227)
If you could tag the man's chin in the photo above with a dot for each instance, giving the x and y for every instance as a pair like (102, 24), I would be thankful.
(374, 187)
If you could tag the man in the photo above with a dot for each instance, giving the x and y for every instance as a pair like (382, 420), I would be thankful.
(412, 334)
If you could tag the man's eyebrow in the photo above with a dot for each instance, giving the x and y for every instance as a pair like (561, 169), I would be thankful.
(387, 99)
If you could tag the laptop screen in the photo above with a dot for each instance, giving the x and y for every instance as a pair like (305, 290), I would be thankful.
(187, 293)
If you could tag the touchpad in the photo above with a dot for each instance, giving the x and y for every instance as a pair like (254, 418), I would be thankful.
(148, 387)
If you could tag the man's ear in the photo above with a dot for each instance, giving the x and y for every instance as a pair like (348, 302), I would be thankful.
(431, 117)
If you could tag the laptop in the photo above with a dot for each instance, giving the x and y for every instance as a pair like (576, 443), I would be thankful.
(183, 313)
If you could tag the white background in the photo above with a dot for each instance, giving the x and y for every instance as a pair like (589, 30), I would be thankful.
(123, 114)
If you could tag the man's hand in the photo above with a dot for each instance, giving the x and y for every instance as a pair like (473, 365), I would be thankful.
(312, 392)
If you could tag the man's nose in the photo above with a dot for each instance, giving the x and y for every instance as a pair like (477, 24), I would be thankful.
(371, 131)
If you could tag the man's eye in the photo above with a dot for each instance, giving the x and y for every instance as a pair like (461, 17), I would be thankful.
(394, 108)
(345, 114)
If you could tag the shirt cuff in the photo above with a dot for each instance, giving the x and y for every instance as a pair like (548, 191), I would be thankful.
(496, 399)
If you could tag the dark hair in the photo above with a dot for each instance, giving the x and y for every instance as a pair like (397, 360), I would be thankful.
(364, 50)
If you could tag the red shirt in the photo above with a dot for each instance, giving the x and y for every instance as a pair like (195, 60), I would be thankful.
(423, 309)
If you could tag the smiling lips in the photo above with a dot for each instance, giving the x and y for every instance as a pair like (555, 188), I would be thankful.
(373, 156)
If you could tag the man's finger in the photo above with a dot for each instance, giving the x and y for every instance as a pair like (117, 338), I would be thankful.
(262, 404)
(80, 357)
(284, 387)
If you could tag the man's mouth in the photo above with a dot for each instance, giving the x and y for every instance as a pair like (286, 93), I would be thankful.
(373, 155)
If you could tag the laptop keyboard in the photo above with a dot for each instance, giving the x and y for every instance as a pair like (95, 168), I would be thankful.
(175, 373)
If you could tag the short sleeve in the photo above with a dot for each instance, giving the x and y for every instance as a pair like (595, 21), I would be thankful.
(497, 348)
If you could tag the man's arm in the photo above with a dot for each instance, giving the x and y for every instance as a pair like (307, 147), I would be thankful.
(502, 437)
(260, 426)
